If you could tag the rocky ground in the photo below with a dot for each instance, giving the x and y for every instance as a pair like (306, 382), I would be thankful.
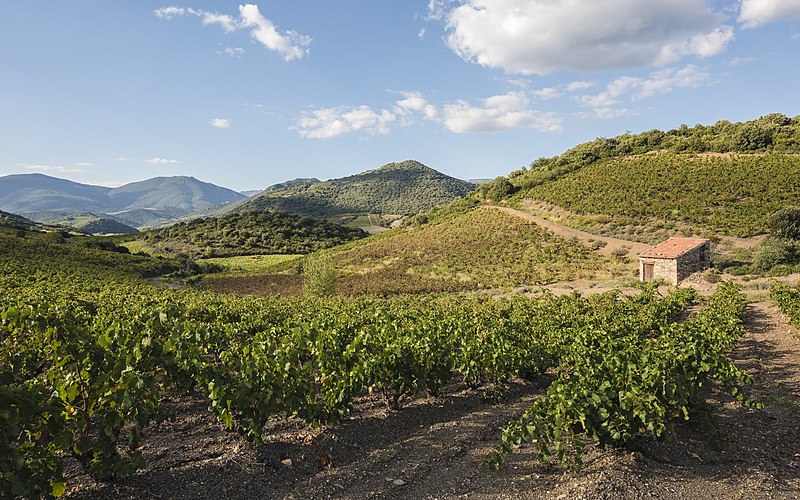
(433, 448)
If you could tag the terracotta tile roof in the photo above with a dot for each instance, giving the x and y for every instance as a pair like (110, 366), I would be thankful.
(673, 248)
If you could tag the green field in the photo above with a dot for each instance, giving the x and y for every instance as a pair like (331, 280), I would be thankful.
(250, 264)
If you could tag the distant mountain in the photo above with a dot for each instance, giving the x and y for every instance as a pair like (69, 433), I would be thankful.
(38, 192)
(251, 192)
(155, 201)
(186, 193)
(397, 188)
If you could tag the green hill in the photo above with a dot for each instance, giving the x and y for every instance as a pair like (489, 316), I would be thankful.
(249, 233)
(86, 222)
(731, 195)
(13, 221)
(397, 188)
(480, 248)
(725, 178)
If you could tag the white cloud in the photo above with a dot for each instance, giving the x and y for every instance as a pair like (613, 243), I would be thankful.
(223, 20)
(61, 169)
(220, 123)
(325, 123)
(232, 51)
(290, 44)
(124, 158)
(437, 9)
(110, 184)
(575, 86)
(162, 161)
(421, 34)
(740, 61)
(542, 36)
(547, 93)
(84, 164)
(607, 104)
(501, 112)
(702, 45)
(796, 36)
(755, 13)
(414, 102)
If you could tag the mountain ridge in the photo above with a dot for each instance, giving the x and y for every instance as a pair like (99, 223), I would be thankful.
(137, 204)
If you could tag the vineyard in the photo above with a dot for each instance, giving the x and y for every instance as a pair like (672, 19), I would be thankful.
(88, 353)
(727, 194)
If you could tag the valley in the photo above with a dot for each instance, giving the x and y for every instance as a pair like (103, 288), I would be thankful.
(494, 342)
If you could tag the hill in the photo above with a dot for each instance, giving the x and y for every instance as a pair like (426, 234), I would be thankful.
(139, 204)
(249, 233)
(13, 221)
(479, 248)
(396, 188)
(86, 222)
(722, 179)
(21, 193)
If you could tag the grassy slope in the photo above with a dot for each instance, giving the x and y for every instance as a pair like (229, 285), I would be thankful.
(480, 248)
(731, 194)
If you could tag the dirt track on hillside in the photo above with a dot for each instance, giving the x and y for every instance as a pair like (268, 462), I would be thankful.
(433, 447)
(634, 248)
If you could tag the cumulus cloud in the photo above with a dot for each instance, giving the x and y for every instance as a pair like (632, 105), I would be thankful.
(161, 161)
(325, 123)
(609, 103)
(542, 36)
(501, 112)
(550, 93)
(755, 13)
(289, 44)
(220, 123)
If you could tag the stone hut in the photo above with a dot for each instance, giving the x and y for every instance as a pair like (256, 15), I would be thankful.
(675, 259)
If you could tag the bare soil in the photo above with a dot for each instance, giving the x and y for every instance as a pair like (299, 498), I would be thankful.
(433, 447)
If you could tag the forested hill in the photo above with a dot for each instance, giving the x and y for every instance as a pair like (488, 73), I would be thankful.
(397, 188)
(249, 233)
(725, 178)
(13, 221)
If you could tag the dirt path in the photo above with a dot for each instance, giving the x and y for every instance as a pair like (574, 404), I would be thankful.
(433, 447)
(611, 244)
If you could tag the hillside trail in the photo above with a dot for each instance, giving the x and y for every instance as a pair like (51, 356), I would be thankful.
(611, 244)
(434, 447)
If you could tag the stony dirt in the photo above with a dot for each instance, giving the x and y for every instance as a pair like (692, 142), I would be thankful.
(611, 244)
(433, 448)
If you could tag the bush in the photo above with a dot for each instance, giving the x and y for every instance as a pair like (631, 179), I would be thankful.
(319, 276)
(774, 251)
(785, 223)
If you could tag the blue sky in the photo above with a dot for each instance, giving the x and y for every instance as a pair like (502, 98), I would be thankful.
(247, 95)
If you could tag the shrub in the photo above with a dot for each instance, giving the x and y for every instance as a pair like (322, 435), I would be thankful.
(319, 276)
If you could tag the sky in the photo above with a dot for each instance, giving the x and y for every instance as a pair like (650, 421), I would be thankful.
(245, 95)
